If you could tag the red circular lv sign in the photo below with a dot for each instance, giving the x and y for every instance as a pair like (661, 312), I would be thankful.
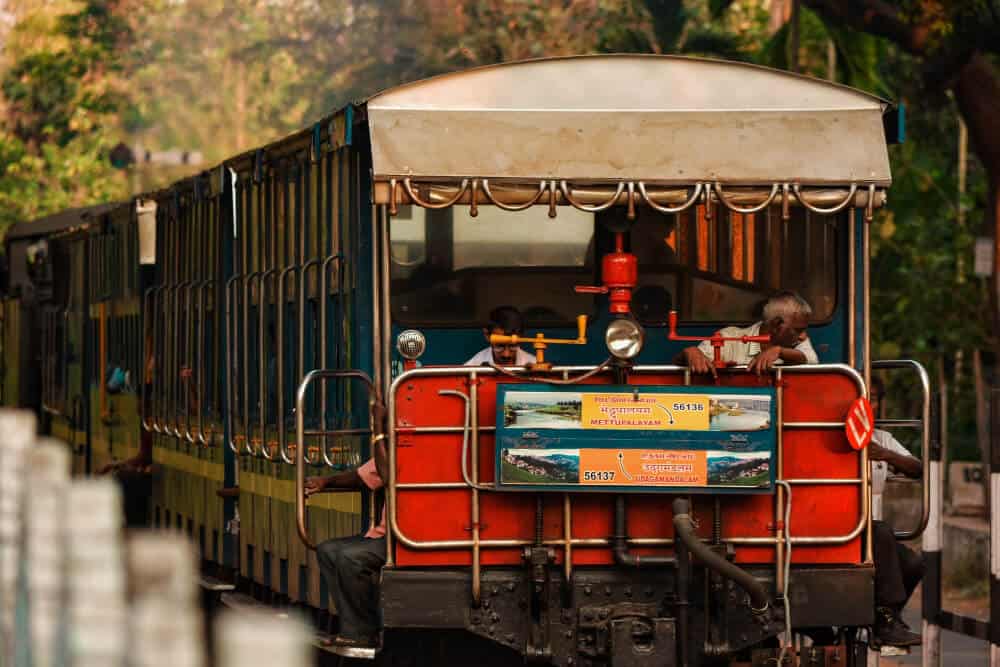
(860, 423)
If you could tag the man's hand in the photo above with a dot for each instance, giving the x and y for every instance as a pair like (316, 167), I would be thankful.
(764, 361)
(109, 467)
(902, 463)
(379, 413)
(877, 452)
(315, 485)
(698, 362)
(378, 449)
(136, 464)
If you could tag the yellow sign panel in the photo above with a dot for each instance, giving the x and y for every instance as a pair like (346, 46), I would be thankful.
(642, 412)
(643, 467)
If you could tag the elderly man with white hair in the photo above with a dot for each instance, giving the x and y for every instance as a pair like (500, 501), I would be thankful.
(785, 318)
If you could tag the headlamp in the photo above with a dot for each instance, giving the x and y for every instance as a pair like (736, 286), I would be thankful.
(411, 344)
(624, 338)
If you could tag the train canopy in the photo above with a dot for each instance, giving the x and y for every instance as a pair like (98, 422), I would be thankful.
(654, 119)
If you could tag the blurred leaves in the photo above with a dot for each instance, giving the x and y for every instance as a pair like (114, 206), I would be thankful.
(61, 93)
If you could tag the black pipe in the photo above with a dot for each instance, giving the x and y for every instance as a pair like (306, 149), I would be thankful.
(683, 600)
(717, 522)
(622, 554)
(685, 533)
(539, 520)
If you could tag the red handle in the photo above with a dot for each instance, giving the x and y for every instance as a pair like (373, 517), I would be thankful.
(672, 332)
(715, 338)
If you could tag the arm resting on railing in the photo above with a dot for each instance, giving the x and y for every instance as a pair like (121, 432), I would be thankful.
(342, 481)
(904, 463)
(379, 452)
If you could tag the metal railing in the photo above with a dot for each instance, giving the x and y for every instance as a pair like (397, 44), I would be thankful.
(301, 433)
(924, 424)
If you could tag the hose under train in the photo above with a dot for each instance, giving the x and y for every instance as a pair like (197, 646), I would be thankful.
(685, 532)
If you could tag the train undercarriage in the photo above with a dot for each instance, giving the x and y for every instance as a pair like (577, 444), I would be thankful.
(634, 617)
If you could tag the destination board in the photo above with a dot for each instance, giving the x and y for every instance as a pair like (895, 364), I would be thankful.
(605, 438)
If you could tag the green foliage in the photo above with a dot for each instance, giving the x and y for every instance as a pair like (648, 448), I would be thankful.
(669, 18)
(41, 89)
(926, 304)
(713, 42)
(857, 55)
(55, 176)
(60, 99)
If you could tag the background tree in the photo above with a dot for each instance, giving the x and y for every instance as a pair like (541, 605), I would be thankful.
(955, 46)
(939, 48)
(61, 96)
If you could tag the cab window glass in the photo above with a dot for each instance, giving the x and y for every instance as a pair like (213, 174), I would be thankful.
(450, 268)
(722, 268)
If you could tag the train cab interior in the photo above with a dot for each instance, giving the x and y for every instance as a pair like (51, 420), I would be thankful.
(450, 269)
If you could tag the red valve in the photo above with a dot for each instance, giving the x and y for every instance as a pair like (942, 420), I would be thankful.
(620, 272)
(717, 339)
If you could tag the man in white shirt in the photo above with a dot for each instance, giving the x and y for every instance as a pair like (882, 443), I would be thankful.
(504, 320)
(785, 319)
(898, 569)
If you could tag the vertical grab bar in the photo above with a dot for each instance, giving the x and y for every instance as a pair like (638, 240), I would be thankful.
(170, 370)
(925, 439)
(173, 420)
(156, 389)
(200, 368)
(64, 354)
(190, 287)
(303, 282)
(146, 425)
(324, 300)
(280, 371)
(472, 482)
(230, 370)
(300, 347)
(180, 347)
(265, 448)
(246, 360)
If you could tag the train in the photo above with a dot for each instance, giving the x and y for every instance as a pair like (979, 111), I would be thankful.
(247, 327)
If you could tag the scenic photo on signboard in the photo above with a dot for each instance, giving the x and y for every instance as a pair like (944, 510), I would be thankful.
(739, 413)
(540, 466)
(542, 409)
(739, 468)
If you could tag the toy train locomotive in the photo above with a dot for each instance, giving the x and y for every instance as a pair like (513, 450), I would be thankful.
(605, 508)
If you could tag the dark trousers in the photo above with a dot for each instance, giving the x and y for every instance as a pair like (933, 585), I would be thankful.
(351, 568)
(898, 569)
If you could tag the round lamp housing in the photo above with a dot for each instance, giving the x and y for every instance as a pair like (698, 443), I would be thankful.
(411, 344)
(624, 338)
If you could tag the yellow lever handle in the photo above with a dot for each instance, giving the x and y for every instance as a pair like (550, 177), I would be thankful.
(514, 339)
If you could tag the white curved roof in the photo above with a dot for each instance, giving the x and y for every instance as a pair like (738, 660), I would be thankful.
(658, 119)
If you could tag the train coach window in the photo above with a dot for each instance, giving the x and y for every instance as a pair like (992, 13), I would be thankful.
(721, 268)
(450, 268)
